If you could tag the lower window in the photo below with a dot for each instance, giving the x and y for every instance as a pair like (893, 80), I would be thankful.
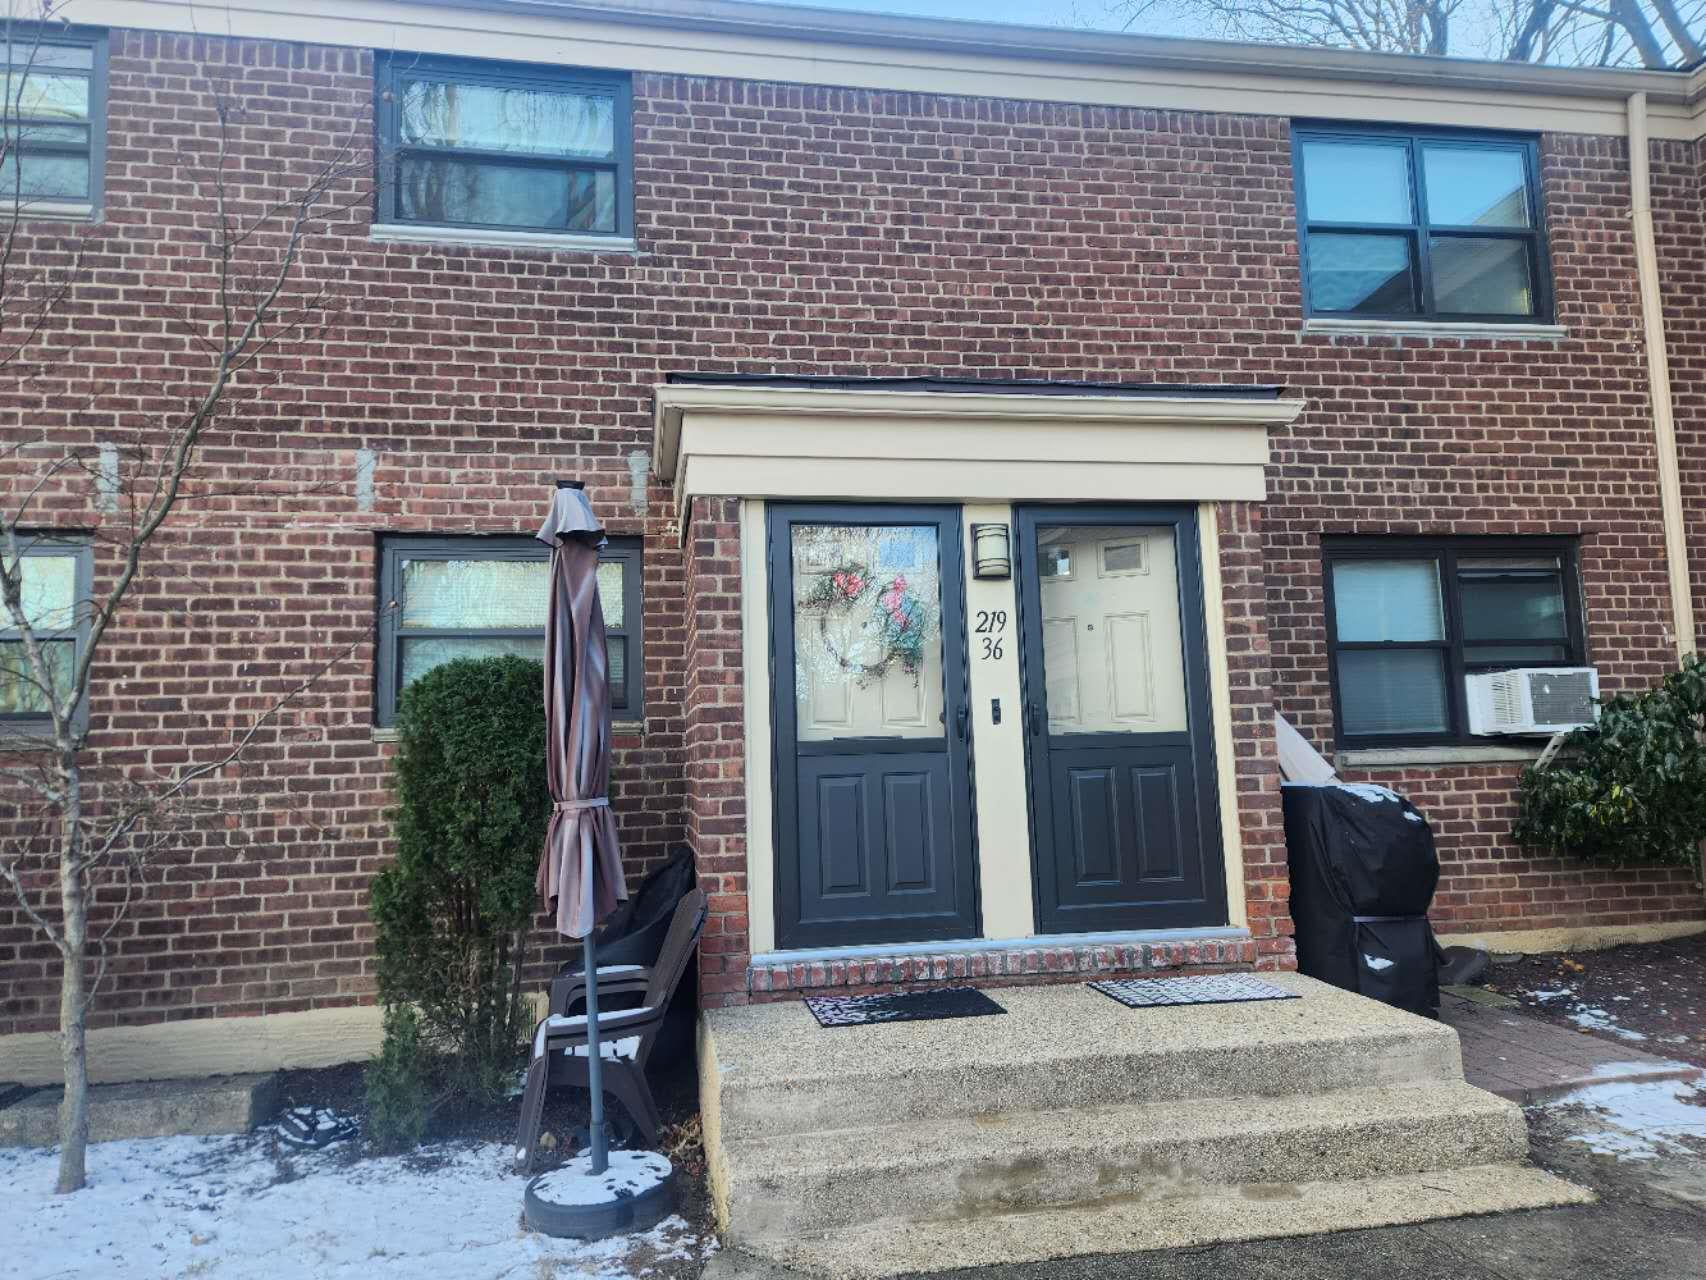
(1407, 620)
(445, 598)
(55, 584)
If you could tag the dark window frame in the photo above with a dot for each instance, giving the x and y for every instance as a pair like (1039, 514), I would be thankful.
(80, 548)
(1445, 552)
(627, 702)
(391, 68)
(1419, 230)
(31, 36)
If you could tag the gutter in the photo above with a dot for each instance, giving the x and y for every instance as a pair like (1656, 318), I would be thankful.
(1658, 379)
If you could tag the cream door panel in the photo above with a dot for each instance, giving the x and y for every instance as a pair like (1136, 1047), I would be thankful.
(1112, 652)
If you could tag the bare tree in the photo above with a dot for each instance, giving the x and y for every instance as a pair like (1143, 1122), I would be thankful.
(1649, 33)
(81, 829)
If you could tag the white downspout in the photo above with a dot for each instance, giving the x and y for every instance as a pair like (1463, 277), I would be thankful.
(1658, 379)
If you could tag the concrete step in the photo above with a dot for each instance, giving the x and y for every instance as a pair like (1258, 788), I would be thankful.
(883, 1248)
(148, 1109)
(774, 1071)
(963, 1167)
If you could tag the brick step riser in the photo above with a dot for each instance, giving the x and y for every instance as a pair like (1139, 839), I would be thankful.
(945, 1089)
(1005, 1180)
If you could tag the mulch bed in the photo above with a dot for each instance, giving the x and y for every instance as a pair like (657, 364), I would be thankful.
(1654, 989)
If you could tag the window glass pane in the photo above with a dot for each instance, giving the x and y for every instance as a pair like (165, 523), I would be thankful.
(1357, 182)
(1392, 691)
(618, 650)
(1476, 187)
(431, 190)
(422, 653)
(611, 588)
(46, 97)
(20, 694)
(1481, 277)
(1512, 599)
(1376, 600)
(475, 594)
(1357, 273)
(45, 176)
(1515, 655)
(49, 591)
(26, 53)
(485, 117)
(867, 632)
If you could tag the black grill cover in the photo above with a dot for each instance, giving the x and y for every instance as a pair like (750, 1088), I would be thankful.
(1363, 873)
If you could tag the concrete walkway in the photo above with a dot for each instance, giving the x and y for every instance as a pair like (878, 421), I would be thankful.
(1527, 1060)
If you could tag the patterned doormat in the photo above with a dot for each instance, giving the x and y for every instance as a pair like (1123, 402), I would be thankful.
(910, 1006)
(1212, 988)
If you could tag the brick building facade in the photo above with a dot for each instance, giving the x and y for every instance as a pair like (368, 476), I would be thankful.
(819, 226)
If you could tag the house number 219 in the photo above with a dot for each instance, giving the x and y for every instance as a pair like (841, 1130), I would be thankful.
(990, 626)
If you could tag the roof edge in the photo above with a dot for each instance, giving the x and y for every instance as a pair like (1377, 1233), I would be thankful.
(1030, 43)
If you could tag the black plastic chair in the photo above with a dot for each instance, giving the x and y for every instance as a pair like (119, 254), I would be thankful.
(626, 1035)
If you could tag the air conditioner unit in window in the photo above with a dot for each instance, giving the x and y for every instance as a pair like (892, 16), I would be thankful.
(1536, 700)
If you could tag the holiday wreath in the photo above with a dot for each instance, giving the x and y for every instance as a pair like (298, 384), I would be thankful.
(898, 620)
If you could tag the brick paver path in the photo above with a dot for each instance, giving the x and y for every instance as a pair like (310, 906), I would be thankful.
(1507, 1052)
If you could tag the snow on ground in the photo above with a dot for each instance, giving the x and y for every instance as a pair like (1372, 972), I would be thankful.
(232, 1209)
(1638, 1121)
(1586, 1016)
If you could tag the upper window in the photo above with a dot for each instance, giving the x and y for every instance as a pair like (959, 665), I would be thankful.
(55, 581)
(54, 114)
(444, 598)
(1421, 226)
(518, 148)
(1407, 620)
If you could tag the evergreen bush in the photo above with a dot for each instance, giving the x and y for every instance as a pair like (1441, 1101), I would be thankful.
(452, 912)
(1630, 789)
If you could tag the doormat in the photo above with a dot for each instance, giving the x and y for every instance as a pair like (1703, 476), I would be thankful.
(909, 1006)
(1212, 988)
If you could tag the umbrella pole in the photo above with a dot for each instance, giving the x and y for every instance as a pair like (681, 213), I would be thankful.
(594, 1064)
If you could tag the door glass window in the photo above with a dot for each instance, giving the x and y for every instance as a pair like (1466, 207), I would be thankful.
(867, 631)
(1113, 660)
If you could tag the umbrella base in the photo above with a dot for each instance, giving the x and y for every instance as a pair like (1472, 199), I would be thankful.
(634, 1194)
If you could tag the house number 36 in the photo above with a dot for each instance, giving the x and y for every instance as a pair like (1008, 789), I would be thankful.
(990, 626)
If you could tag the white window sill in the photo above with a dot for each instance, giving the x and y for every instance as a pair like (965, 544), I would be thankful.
(48, 210)
(485, 238)
(1434, 329)
(1407, 757)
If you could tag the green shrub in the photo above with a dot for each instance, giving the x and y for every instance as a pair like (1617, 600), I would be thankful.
(397, 1088)
(1631, 788)
(452, 912)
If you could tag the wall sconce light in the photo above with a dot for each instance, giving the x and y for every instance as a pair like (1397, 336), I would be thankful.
(991, 552)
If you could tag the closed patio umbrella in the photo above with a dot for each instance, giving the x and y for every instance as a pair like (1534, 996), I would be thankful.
(580, 869)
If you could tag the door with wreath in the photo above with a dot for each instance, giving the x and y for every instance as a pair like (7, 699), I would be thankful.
(872, 761)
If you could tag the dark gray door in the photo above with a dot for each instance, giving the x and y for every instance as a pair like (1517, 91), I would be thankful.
(1119, 749)
(873, 779)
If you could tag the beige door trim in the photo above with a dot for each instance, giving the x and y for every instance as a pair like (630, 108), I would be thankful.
(938, 446)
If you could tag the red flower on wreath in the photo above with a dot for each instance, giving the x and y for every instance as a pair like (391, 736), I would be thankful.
(894, 603)
(848, 583)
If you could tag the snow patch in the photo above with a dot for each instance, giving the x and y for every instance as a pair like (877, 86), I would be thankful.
(1600, 1020)
(1638, 1121)
(1377, 963)
(631, 1173)
(232, 1209)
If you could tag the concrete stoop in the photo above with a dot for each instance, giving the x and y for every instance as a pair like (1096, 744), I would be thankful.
(1072, 1125)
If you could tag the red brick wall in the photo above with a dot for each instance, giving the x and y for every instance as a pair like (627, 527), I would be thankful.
(782, 229)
